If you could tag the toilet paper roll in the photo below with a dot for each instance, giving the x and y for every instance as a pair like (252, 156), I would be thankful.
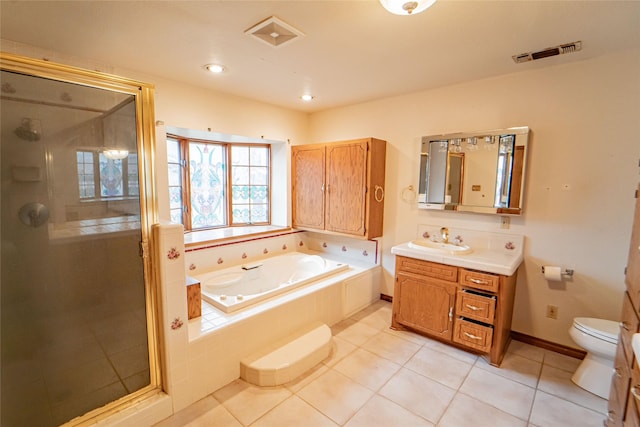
(552, 273)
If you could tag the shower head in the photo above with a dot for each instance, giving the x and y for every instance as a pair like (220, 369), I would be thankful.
(29, 130)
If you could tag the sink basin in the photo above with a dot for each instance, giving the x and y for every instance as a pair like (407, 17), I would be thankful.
(439, 247)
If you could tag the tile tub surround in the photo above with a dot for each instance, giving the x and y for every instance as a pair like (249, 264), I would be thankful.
(203, 354)
(379, 377)
(207, 257)
(497, 253)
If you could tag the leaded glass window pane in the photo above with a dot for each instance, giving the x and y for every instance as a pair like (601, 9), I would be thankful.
(259, 156)
(240, 155)
(86, 178)
(173, 151)
(240, 175)
(259, 213)
(175, 198)
(176, 216)
(250, 178)
(110, 177)
(240, 194)
(241, 215)
(259, 176)
(175, 177)
(207, 178)
(176, 172)
(132, 175)
(258, 194)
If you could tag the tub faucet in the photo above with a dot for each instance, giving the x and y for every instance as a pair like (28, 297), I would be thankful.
(444, 232)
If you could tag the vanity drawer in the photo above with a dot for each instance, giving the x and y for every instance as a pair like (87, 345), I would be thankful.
(476, 306)
(478, 280)
(473, 335)
(426, 268)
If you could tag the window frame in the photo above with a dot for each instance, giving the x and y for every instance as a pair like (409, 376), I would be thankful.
(185, 193)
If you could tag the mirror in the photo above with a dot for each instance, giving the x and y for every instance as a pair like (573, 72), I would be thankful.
(480, 172)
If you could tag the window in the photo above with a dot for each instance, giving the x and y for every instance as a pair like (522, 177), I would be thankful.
(102, 178)
(215, 184)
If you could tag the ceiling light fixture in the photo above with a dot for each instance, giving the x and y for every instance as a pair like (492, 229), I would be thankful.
(115, 154)
(215, 68)
(406, 7)
(307, 98)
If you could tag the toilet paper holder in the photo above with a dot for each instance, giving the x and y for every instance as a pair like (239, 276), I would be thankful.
(565, 272)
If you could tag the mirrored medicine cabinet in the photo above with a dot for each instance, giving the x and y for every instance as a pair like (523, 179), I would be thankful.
(479, 172)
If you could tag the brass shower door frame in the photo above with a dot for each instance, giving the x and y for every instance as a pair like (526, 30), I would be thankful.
(145, 131)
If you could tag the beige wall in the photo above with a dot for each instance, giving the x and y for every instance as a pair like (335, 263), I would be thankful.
(585, 133)
(585, 127)
(186, 106)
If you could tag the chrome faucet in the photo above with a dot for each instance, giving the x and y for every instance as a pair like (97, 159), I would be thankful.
(444, 232)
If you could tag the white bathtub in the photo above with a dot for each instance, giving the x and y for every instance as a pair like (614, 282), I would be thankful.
(237, 287)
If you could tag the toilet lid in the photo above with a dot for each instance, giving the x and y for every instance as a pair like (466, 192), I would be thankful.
(607, 330)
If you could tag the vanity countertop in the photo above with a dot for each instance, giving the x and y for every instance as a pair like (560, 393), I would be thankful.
(483, 259)
(493, 252)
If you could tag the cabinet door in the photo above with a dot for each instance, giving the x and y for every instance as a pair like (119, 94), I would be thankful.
(620, 382)
(633, 264)
(425, 305)
(346, 188)
(307, 191)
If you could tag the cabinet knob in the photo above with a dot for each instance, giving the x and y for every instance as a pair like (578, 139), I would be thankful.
(617, 373)
(624, 325)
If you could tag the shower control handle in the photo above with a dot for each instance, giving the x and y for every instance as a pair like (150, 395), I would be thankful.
(33, 214)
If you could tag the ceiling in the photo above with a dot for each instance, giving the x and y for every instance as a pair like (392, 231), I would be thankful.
(351, 51)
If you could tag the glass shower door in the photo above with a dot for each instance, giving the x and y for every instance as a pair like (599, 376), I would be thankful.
(74, 327)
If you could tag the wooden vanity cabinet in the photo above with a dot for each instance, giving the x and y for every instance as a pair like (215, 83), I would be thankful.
(625, 383)
(424, 297)
(466, 308)
(339, 187)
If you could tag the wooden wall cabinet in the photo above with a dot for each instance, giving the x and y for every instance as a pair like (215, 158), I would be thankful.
(466, 308)
(624, 406)
(339, 187)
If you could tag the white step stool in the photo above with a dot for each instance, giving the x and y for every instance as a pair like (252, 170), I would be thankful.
(288, 359)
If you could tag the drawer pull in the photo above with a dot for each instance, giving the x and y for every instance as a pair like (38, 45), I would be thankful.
(635, 392)
(472, 307)
(617, 373)
(611, 417)
(478, 281)
(450, 313)
(473, 337)
(624, 326)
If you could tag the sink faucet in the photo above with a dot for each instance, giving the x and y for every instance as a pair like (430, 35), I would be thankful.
(444, 232)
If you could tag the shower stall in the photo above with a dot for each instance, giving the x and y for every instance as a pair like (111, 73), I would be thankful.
(77, 324)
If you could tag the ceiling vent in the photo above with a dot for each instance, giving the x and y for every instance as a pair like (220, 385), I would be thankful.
(550, 51)
(274, 32)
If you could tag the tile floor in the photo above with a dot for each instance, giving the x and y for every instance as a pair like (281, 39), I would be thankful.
(380, 377)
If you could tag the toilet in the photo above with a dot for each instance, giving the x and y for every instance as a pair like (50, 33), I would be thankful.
(599, 338)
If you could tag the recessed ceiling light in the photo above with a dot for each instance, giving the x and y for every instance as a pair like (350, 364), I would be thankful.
(215, 68)
(307, 97)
